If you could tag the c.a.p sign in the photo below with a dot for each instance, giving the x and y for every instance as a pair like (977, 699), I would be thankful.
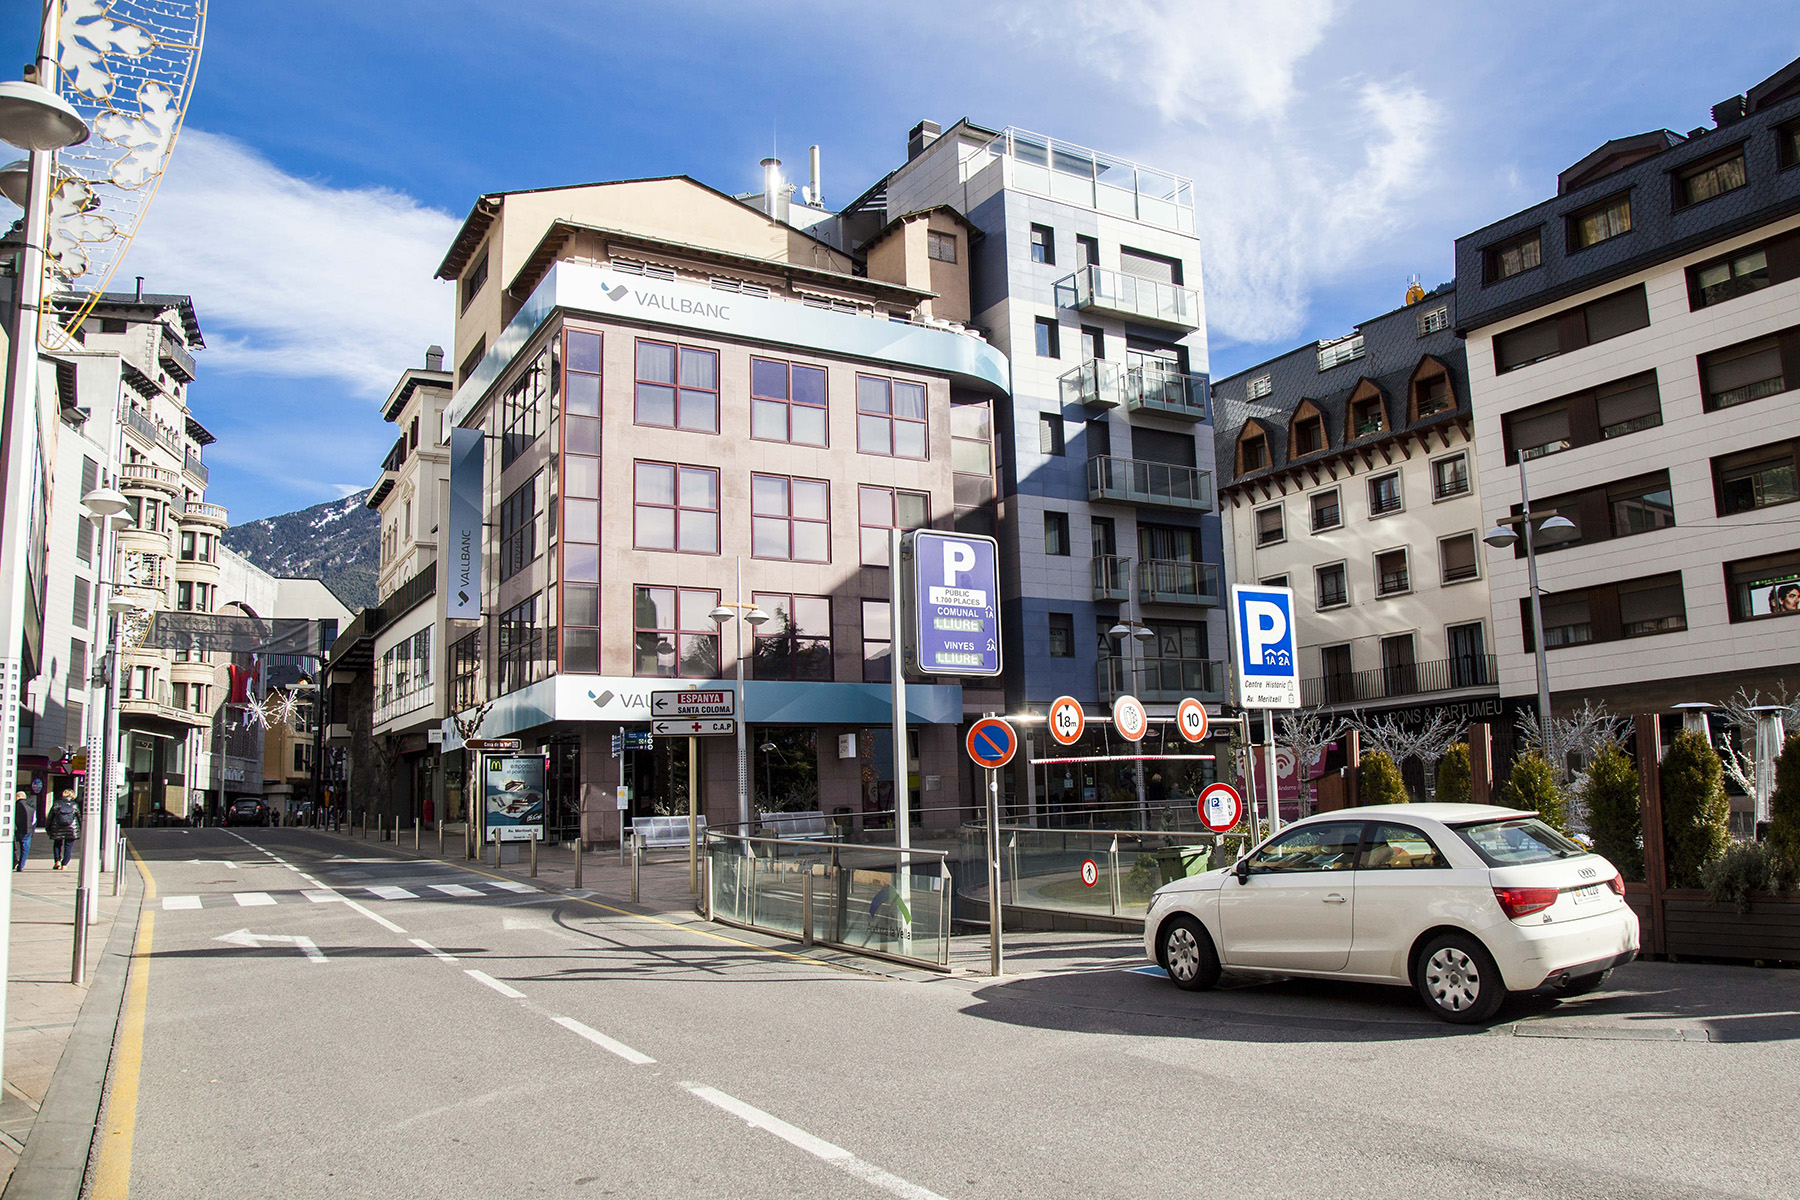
(1268, 655)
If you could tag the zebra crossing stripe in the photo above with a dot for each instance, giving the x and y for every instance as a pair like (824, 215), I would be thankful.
(252, 899)
(389, 892)
(454, 889)
(181, 902)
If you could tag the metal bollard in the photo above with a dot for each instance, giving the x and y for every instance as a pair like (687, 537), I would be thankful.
(415, 833)
(118, 865)
(440, 826)
(806, 907)
(637, 858)
(496, 848)
(577, 862)
(534, 843)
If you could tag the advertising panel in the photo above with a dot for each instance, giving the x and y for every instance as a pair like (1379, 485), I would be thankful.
(514, 789)
(462, 585)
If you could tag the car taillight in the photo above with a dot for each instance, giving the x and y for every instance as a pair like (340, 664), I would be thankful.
(1518, 902)
(1617, 884)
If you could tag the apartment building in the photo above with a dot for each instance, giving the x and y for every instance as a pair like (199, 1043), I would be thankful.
(1633, 345)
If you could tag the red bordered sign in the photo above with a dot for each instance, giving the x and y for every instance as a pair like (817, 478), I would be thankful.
(991, 743)
(1130, 720)
(1090, 874)
(1221, 808)
(1067, 720)
(1190, 718)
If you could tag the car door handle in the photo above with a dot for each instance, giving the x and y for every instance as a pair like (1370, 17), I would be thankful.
(1334, 898)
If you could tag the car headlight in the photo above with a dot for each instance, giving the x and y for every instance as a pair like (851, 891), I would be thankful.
(1156, 898)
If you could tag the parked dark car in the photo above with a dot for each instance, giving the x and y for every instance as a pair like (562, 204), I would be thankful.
(248, 811)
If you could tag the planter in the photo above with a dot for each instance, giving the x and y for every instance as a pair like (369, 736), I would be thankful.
(1683, 922)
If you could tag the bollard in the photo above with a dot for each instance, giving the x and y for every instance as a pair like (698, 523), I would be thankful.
(534, 843)
(496, 848)
(806, 907)
(577, 862)
(78, 967)
(118, 865)
(440, 826)
(637, 857)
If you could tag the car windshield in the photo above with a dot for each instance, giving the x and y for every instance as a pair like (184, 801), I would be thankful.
(1517, 842)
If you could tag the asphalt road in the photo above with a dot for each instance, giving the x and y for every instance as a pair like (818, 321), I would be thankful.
(493, 1043)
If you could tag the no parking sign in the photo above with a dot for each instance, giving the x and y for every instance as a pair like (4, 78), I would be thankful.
(1220, 807)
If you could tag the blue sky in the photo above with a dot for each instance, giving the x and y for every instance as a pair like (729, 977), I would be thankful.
(331, 149)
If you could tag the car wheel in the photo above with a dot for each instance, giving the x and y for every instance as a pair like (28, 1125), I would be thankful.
(1581, 985)
(1458, 980)
(1187, 954)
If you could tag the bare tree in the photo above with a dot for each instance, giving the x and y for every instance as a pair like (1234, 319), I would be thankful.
(1308, 734)
(1428, 743)
(1582, 733)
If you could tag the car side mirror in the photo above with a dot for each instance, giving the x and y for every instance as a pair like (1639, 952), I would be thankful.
(1243, 870)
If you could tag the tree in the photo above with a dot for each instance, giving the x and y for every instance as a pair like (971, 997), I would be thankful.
(1533, 786)
(1454, 775)
(1308, 735)
(1580, 734)
(1784, 826)
(1614, 809)
(1378, 780)
(1695, 811)
(1427, 743)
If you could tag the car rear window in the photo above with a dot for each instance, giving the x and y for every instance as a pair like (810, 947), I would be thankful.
(1517, 842)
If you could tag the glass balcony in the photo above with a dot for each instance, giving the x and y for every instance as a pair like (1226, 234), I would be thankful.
(1112, 577)
(1166, 393)
(1096, 289)
(1075, 174)
(1096, 384)
(1172, 582)
(1161, 680)
(1137, 481)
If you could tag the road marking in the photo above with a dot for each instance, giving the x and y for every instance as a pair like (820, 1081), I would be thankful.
(181, 901)
(390, 892)
(510, 886)
(605, 1043)
(432, 950)
(254, 941)
(510, 993)
(321, 895)
(112, 1167)
(819, 1148)
(252, 899)
(454, 889)
(373, 916)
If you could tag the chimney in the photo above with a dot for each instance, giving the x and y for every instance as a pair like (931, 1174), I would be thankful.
(775, 195)
(140, 289)
(922, 135)
(434, 358)
(813, 195)
(1728, 112)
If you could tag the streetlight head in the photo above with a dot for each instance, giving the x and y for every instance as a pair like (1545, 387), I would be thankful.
(1143, 633)
(720, 615)
(756, 616)
(118, 606)
(1120, 630)
(32, 117)
(105, 502)
(15, 181)
(1557, 530)
(767, 747)
(1501, 538)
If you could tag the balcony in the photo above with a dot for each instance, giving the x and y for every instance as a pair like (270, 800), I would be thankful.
(1096, 289)
(1162, 581)
(195, 510)
(1161, 680)
(175, 358)
(1075, 174)
(139, 423)
(1166, 393)
(1112, 577)
(1137, 481)
(1401, 680)
(419, 698)
(193, 466)
(1095, 384)
(142, 475)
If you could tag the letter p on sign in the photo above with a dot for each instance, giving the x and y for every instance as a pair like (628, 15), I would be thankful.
(959, 559)
(1265, 625)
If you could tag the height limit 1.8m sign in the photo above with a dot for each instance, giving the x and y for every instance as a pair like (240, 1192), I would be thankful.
(953, 585)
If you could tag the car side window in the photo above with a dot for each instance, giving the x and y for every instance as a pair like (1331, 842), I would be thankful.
(1330, 846)
(1398, 848)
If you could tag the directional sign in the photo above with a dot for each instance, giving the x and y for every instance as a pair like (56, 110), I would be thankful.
(1067, 720)
(1220, 807)
(496, 745)
(1268, 662)
(254, 941)
(955, 598)
(698, 727)
(1129, 718)
(992, 742)
(1090, 874)
(1190, 718)
(694, 703)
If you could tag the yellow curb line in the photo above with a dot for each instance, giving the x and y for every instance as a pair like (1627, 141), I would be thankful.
(112, 1171)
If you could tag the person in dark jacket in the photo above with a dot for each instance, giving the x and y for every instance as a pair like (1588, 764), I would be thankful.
(63, 824)
(24, 821)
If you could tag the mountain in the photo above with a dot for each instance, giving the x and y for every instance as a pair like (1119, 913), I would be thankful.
(338, 541)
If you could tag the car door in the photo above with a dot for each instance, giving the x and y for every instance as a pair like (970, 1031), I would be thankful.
(1293, 911)
(1403, 882)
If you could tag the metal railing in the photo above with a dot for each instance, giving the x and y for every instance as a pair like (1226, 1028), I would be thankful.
(1138, 481)
(1168, 581)
(1160, 680)
(1103, 290)
(1166, 393)
(190, 462)
(137, 422)
(1044, 870)
(1105, 183)
(1095, 384)
(1112, 577)
(1401, 679)
(175, 358)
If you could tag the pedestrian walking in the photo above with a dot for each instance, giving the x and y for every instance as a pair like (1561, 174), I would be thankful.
(63, 824)
(24, 821)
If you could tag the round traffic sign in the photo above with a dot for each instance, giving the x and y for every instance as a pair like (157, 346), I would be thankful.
(1190, 718)
(1129, 718)
(1067, 720)
(1090, 874)
(1220, 807)
(991, 742)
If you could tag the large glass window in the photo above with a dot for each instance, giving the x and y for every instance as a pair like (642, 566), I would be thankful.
(890, 417)
(1641, 505)
(1756, 479)
(518, 528)
(676, 508)
(672, 634)
(787, 402)
(519, 653)
(881, 509)
(790, 518)
(677, 386)
(1764, 587)
(520, 412)
(795, 642)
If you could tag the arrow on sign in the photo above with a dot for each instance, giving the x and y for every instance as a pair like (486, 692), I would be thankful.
(254, 941)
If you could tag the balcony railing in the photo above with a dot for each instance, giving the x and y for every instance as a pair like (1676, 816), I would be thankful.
(1166, 581)
(193, 466)
(1075, 174)
(1166, 393)
(175, 358)
(398, 706)
(1112, 577)
(1095, 384)
(1100, 290)
(137, 422)
(1402, 679)
(1137, 481)
(1161, 680)
(139, 474)
(203, 511)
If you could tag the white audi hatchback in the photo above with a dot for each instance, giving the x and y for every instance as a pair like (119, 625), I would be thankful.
(1462, 902)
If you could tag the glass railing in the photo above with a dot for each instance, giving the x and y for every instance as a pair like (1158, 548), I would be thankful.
(1163, 581)
(1112, 577)
(1137, 481)
(1075, 174)
(1161, 680)
(1128, 295)
(1166, 392)
(1095, 384)
(1045, 870)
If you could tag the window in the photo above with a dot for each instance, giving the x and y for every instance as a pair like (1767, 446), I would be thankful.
(795, 642)
(877, 642)
(518, 528)
(1649, 606)
(1505, 259)
(1764, 587)
(1608, 612)
(519, 416)
(1399, 848)
(880, 509)
(473, 279)
(192, 597)
(1093, 342)
(1254, 451)
(675, 508)
(1450, 477)
(672, 635)
(1469, 665)
(1367, 416)
(1330, 585)
(790, 518)
(741, 287)
(1728, 278)
(1043, 244)
(1628, 405)
(787, 402)
(1399, 667)
(84, 539)
(1327, 513)
(1745, 372)
(1335, 672)
(1431, 395)
(1050, 434)
(1274, 581)
(1309, 436)
(1600, 222)
(1641, 505)
(77, 675)
(465, 672)
(1787, 144)
(1056, 534)
(1270, 527)
(472, 360)
(1434, 320)
(1087, 251)
(1458, 558)
(1340, 350)
(1611, 410)
(1142, 264)
(632, 266)
(972, 467)
(1325, 847)
(1714, 177)
(677, 387)
(520, 653)
(1753, 479)
(1049, 338)
(940, 246)
(1062, 635)
(1391, 576)
(890, 417)
(1259, 387)
(1595, 321)
(1384, 494)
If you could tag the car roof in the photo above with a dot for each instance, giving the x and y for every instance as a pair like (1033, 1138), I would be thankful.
(1448, 814)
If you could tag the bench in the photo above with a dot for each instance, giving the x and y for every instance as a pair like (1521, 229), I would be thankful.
(798, 826)
(663, 833)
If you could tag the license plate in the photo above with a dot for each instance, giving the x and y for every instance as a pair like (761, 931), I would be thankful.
(1591, 892)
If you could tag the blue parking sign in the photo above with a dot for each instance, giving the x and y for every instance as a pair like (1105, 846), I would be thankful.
(955, 598)
(1268, 656)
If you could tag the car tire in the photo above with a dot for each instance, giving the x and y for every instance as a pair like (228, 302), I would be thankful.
(1458, 980)
(1581, 985)
(1187, 954)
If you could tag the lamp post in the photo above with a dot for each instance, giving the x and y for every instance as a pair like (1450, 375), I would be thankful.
(315, 788)
(754, 616)
(768, 748)
(104, 504)
(1139, 633)
(1551, 531)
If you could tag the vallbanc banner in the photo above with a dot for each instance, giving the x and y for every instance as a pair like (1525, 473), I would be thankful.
(462, 583)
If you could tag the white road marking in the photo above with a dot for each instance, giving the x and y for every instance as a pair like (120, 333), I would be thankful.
(373, 916)
(321, 895)
(510, 993)
(432, 950)
(252, 899)
(254, 941)
(181, 902)
(508, 885)
(819, 1148)
(454, 889)
(389, 892)
(605, 1043)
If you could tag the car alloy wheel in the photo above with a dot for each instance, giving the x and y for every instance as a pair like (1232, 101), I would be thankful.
(1184, 954)
(1188, 955)
(1457, 979)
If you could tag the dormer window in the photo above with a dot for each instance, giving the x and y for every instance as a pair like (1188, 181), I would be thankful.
(1514, 255)
(1431, 390)
(1600, 222)
(1253, 453)
(1309, 436)
(1368, 412)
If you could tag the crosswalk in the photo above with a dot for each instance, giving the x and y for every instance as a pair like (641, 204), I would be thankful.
(431, 891)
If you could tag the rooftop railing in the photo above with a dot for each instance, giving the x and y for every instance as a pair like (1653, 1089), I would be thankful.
(1077, 175)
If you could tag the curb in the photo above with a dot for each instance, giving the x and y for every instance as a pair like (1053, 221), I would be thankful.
(53, 1165)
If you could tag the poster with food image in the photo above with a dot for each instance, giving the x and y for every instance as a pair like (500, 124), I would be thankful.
(514, 788)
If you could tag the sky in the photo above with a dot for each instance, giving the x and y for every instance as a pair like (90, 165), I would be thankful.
(332, 149)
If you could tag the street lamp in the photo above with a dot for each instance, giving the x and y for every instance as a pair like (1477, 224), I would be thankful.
(315, 786)
(103, 504)
(1551, 531)
(767, 749)
(755, 617)
(1139, 633)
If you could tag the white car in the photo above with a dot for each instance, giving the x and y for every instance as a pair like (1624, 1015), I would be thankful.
(1462, 902)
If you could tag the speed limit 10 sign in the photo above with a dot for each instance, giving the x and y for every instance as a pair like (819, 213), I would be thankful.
(1190, 718)
(1067, 720)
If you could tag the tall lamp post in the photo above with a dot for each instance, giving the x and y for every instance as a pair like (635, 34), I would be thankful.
(1139, 633)
(315, 785)
(754, 616)
(104, 504)
(1551, 531)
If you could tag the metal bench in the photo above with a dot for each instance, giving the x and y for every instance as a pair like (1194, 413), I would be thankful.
(665, 833)
(801, 826)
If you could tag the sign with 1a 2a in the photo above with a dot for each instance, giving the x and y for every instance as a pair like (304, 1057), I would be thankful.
(1268, 657)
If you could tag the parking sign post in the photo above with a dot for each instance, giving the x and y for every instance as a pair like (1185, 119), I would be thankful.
(1268, 662)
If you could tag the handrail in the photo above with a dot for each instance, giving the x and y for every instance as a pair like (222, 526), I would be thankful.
(837, 842)
(1166, 833)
